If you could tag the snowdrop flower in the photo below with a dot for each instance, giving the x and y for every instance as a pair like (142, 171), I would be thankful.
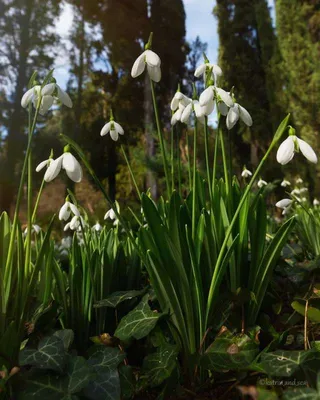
(316, 202)
(67, 162)
(246, 173)
(235, 113)
(261, 183)
(177, 115)
(295, 192)
(110, 214)
(292, 145)
(285, 204)
(114, 128)
(66, 210)
(179, 99)
(211, 93)
(206, 68)
(75, 223)
(198, 110)
(97, 227)
(150, 59)
(303, 190)
(299, 181)
(34, 229)
(285, 183)
(48, 94)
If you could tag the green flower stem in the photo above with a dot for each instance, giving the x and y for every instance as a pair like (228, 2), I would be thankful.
(172, 159)
(206, 148)
(194, 193)
(161, 141)
(189, 161)
(214, 286)
(8, 268)
(179, 162)
(131, 173)
(224, 161)
(35, 208)
(215, 157)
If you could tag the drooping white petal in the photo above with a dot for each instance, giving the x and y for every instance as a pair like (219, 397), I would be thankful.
(119, 128)
(216, 70)
(67, 227)
(138, 66)
(74, 209)
(47, 90)
(74, 223)
(307, 151)
(200, 70)
(206, 96)
(154, 73)
(152, 58)
(285, 183)
(199, 111)
(225, 97)
(186, 113)
(53, 169)
(36, 228)
(114, 135)
(105, 129)
(285, 151)
(246, 173)
(245, 116)
(284, 203)
(208, 108)
(42, 165)
(69, 162)
(27, 97)
(64, 97)
(223, 108)
(64, 213)
(174, 103)
(233, 116)
(262, 183)
(177, 115)
(46, 103)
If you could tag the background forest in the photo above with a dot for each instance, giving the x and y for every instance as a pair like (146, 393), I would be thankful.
(272, 63)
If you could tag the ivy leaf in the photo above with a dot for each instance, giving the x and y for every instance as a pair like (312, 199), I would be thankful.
(104, 386)
(159, 365)
(78, 374)
(285, 363)
(138, 323)
(230, 353)
(106, 358)
(301, 394)
(118, 297)
(67, 337)
(126, 381)
(49, 355)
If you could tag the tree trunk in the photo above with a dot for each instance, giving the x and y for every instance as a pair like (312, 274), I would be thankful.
(16, 138)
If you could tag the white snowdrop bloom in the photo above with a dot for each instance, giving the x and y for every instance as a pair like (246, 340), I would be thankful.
(211, 93)
(66, 210)
(48, 94)
(110, 214)
(114, 128)
(150, 59)
(198, 110)
(316, 202)
(74, 224)
(285, 204)
(292, 145)
(304, 190)
(261, 183)
(299, 181)
(67, 162)
(223, 108)
(206, 68)
(179, 98)
(285, 183)
(66, 242)
(295, 192)
(304, 199)
(176, 116)
(235, 113)
(246, 173)
(97, 227)
(43, 164)
(34, 229)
